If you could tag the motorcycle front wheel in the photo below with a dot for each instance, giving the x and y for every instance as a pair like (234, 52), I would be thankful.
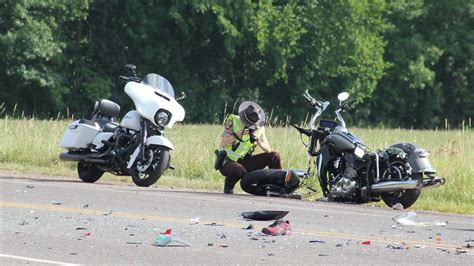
(88, 172)
(146, 171)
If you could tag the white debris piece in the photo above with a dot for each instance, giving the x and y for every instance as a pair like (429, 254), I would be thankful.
(408, 219)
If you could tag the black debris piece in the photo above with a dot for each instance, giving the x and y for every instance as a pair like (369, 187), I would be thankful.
(264, 215)
(210, 244)
(23, 223)
(81, 228)
(250, 227)
(85, 206)
(323, 255)
(271, 254)
(339, 245)
(394, 247)
(317, 241)
(56, 202)
(30, 186)
(253, 238)
(214, 224)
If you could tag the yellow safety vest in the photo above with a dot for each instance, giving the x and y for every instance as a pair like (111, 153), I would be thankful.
(244, 146)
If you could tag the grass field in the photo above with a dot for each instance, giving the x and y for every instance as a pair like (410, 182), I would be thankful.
(30, 145)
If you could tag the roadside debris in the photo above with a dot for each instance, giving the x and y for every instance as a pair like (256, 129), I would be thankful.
(394, 247)
(23, 223)
(264, 215)
(419, 246)
(214, 224)
(134, 243)
(165, 239)
(250, 227)
(108, 213)
(397, 206)
(367, 243)
(81, 228)
(30, 186)
(85, 206)
(194, 220)
(277, 228)
(408, 219)
(317, 241)
(54, 202)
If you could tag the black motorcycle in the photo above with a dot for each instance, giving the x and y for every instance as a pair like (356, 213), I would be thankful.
(349, 171)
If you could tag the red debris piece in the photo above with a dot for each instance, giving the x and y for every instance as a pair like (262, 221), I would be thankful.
(366, 242)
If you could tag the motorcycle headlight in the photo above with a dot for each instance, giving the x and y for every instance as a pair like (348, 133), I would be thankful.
(162, 118)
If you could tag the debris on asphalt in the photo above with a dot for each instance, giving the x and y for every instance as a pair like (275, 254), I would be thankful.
(222, 236)
(214, 224)
(194, 220)
(365, 242)
(54, 202)
(326, 216)
(87, 234)
(397, 206)
(410, 232)
(438, 238)
(323, 255)
(108, 213)
(394, 247)
(317, 241)
(270, 254)
(339, 245)
(419, 246)
(264, 215)
(409, 219)
(222, 245)
(253, 238)
(396, 226)
(165, 239)
(85, 206)
(134, 243)
(210, 244)
(81, 228)
(23, 223)
(459, 252)
(278, 228)
(30, 186)
(468, 246)
(250, 227)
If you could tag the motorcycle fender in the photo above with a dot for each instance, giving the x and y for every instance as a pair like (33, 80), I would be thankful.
(159, 141)
(153, 140)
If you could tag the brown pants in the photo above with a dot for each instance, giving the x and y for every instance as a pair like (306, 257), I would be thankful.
(234, 171)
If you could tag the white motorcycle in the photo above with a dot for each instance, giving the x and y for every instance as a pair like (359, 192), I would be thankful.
(136, 146)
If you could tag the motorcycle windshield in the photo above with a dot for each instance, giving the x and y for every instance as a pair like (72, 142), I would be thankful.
(159, 83)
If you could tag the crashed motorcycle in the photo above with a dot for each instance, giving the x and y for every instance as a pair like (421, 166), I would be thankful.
(134, 146)
(349, 171)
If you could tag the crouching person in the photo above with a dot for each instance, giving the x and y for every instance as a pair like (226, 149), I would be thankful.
(242, 134)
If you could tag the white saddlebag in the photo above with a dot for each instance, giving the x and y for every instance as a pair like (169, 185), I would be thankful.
(79, 134)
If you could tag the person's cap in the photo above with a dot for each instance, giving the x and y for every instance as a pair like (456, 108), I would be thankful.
(251, 114)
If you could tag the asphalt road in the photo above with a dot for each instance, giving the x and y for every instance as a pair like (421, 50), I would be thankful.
(63, 221)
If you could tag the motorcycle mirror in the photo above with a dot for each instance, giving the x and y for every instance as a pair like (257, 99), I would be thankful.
(182, 96)
(343, 96)
(132, 68)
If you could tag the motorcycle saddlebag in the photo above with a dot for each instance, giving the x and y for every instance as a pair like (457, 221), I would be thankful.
(417, 157)
(79, 134)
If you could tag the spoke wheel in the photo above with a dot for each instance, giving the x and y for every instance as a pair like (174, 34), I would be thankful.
(146, 171)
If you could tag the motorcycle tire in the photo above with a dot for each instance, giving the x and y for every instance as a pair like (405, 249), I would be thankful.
(158, 165)
(266, 182)
(405, 197)
(88, 172)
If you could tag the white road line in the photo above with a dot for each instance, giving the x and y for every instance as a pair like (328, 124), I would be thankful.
(35, 260)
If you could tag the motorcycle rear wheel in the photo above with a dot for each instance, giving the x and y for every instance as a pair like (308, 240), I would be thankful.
(405, 197)
(88, 172)
(156, 161)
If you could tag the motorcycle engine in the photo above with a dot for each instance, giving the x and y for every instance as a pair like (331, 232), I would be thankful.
(343, 186)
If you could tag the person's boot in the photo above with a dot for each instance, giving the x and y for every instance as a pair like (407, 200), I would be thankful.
(229, 187)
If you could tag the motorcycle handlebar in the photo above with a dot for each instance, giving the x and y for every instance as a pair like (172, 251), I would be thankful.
(136, 79)
(313, 102)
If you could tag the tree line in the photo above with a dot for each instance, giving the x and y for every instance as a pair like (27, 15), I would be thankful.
(407, 63)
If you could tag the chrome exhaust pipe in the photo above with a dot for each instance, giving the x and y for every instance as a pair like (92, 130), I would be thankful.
(65, 156)
(393, 186)
(435, 182)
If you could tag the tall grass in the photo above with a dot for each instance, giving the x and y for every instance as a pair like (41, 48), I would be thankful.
(31, 145)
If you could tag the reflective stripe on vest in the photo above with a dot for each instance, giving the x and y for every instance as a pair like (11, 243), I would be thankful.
(244, 146)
